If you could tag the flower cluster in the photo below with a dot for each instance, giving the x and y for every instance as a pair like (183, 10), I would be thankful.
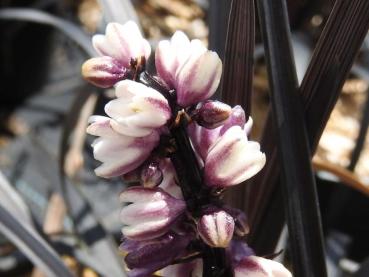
(167, 226)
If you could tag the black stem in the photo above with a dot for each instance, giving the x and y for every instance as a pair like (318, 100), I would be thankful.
(215, 263)
(299, 189)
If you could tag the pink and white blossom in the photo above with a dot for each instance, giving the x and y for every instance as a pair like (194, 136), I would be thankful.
(254, 266)
(150, 213)
(118, 153)
(189, 68)
(216, 228)
(232, 159)
(138, 109)
(122, 43)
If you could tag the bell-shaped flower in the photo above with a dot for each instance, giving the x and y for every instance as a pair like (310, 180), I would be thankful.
(190, 269)
(118, 153)
(189, 68)
(103, 72)
(122, 43)
(212, 114)
(232, 159)
(146, 257)
(138, 109)
(260, 267)
(216, 228)
(150, 214)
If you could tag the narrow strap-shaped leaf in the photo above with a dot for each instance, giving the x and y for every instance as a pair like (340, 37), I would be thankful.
(236, 88)
(22, 234)
(360, 141)
(299, 189)
(332, 59)
(74, 32)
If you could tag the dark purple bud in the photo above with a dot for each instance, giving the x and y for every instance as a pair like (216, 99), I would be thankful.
(149, 256)
(212, 114)
(103, 72)
(151, 175)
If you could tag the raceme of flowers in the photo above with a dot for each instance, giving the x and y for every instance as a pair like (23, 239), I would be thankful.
(165, 227)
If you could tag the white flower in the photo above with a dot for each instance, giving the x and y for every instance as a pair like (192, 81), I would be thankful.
(254, 266)
(138, 109)
(189, 68)
(232, 159)
(118, 153)
(122, 42)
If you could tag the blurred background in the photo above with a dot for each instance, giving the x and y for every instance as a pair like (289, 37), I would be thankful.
(46, 164)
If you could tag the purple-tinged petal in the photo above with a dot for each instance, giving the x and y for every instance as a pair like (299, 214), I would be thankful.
(122, 43)
(232, 159)
(216, 228)
(103, 72)
(152, 255)
(119, 154)
(239, 250)
(237, 118)
(138, 110)
(169, 182)
(202, 138)
(212, 114)
(198, 78)
(170, 55)
(259, 267)
(240, 219)
(150, 214)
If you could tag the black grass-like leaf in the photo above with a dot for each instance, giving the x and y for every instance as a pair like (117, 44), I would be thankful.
(299, 189)
(333, 57)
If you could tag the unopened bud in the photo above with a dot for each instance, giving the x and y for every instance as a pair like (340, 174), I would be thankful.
(103, 72)
(216, 228)
(151, 175)
(212, 114)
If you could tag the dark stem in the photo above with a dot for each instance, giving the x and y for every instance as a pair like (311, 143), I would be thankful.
(196, 195)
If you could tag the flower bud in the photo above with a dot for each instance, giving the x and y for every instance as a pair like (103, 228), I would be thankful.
(151, 175)
(150, 214)
(232, 159)
(138, 109)
(122, 43)
(257, 266)
(216, 228)
(118, 153)
(198, 78)
(212, 114)
(103, 72)
(146, 257)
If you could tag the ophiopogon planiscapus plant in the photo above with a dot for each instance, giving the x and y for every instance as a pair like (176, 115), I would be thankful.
(180, 151)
